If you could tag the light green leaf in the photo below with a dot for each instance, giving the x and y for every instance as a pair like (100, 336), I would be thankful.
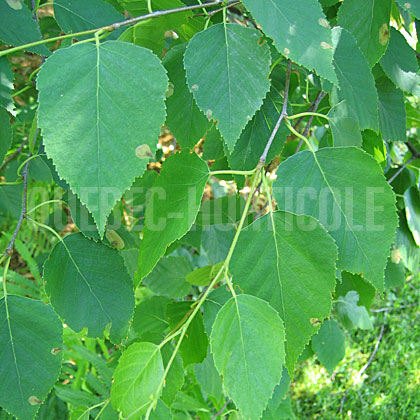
(299, 30)
(161, 412)
(78, 15)
(227, 72)
(243, 323)
(329, 345)
(173, 206)
(400, 64)
(251, 144)
(345, 189)
(31, 343)
(375, 146)
(410, 6)
(355, 282)
(344, 125)
(121, 90)
(137, 379)
(139, 7)
(351, 314)
(175, 377)
(289, 261)
(168, 278)
(6, 84)
(394, 274)
(185, 120)
(17, 27)
(149, 320)
(193, 348)
(357, 85)
(368, 22)
(204, 275)
(89, 286)
(412, 212)
(392, 116)
(5, 133)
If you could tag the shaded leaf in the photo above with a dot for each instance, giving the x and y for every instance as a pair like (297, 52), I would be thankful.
(394, 274)
(355, 282)
(352, 315)
(412, 212)
(5, 133)
(208, 377)
(81, 278)
(6, 85)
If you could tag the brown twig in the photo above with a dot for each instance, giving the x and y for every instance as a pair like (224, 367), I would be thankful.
(313, 108)
(283, 114)
(364, 367)
(13, 155)
(220, 412)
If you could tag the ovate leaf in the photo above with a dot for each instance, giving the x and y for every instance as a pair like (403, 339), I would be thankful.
(30, 349)
(5, 133)
(247, 344)
(6, 84)
(173, 206)
(185, 120)
(329, 345)
(357, 85)
(78, 16)
(289, 261)
(118, 91)
(17, 27)
(137, 379)
(345, 189)
(89, 286)
(227, 72)
(412, 212)
(400, 64)
(368, 22)
(299, 30)
(208, 377)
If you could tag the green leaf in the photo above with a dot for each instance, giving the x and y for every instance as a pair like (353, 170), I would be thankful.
(208, 377)
(329, 345)
(299, 30)
(253, 140)
(168, 278)
(31, 342)
(344, 125)
(357, 85)
(243, 323)
(368, 22)
(216, 241)
(394, 274)
(405, 246)
(6, 85)
(412, 212)
(136, 379)
(185, 120)
(392, 116)
(375, 146)
(193, 348)
(410, 6)
(204, 275)
(89, 286)
(78, 15)
(175, 377)
(227, 72)
(400, 64)
(173, 206)
(17, 27)
(227, 209)
(149, 320)
(345, 189)
(5, 133)
(289, 261)
(212, 305)
(351, 314)
(117, 90)
(355, 282)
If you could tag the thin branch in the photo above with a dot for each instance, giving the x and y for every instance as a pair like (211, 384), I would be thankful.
(213, 12)
(283, 114)
(363, 369)
(401, 169)
(393, 309)
(219, 413)
(13, 155)
(413, 150)
(261, 211)
(313, 108)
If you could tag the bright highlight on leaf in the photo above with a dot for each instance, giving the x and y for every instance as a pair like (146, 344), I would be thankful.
(97, 104)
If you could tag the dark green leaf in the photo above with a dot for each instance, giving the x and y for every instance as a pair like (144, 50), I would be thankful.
(355, 282)
(412, 212)
(5, 133)
(6, 84)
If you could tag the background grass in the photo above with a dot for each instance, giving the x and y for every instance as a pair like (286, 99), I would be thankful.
(390, 387)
